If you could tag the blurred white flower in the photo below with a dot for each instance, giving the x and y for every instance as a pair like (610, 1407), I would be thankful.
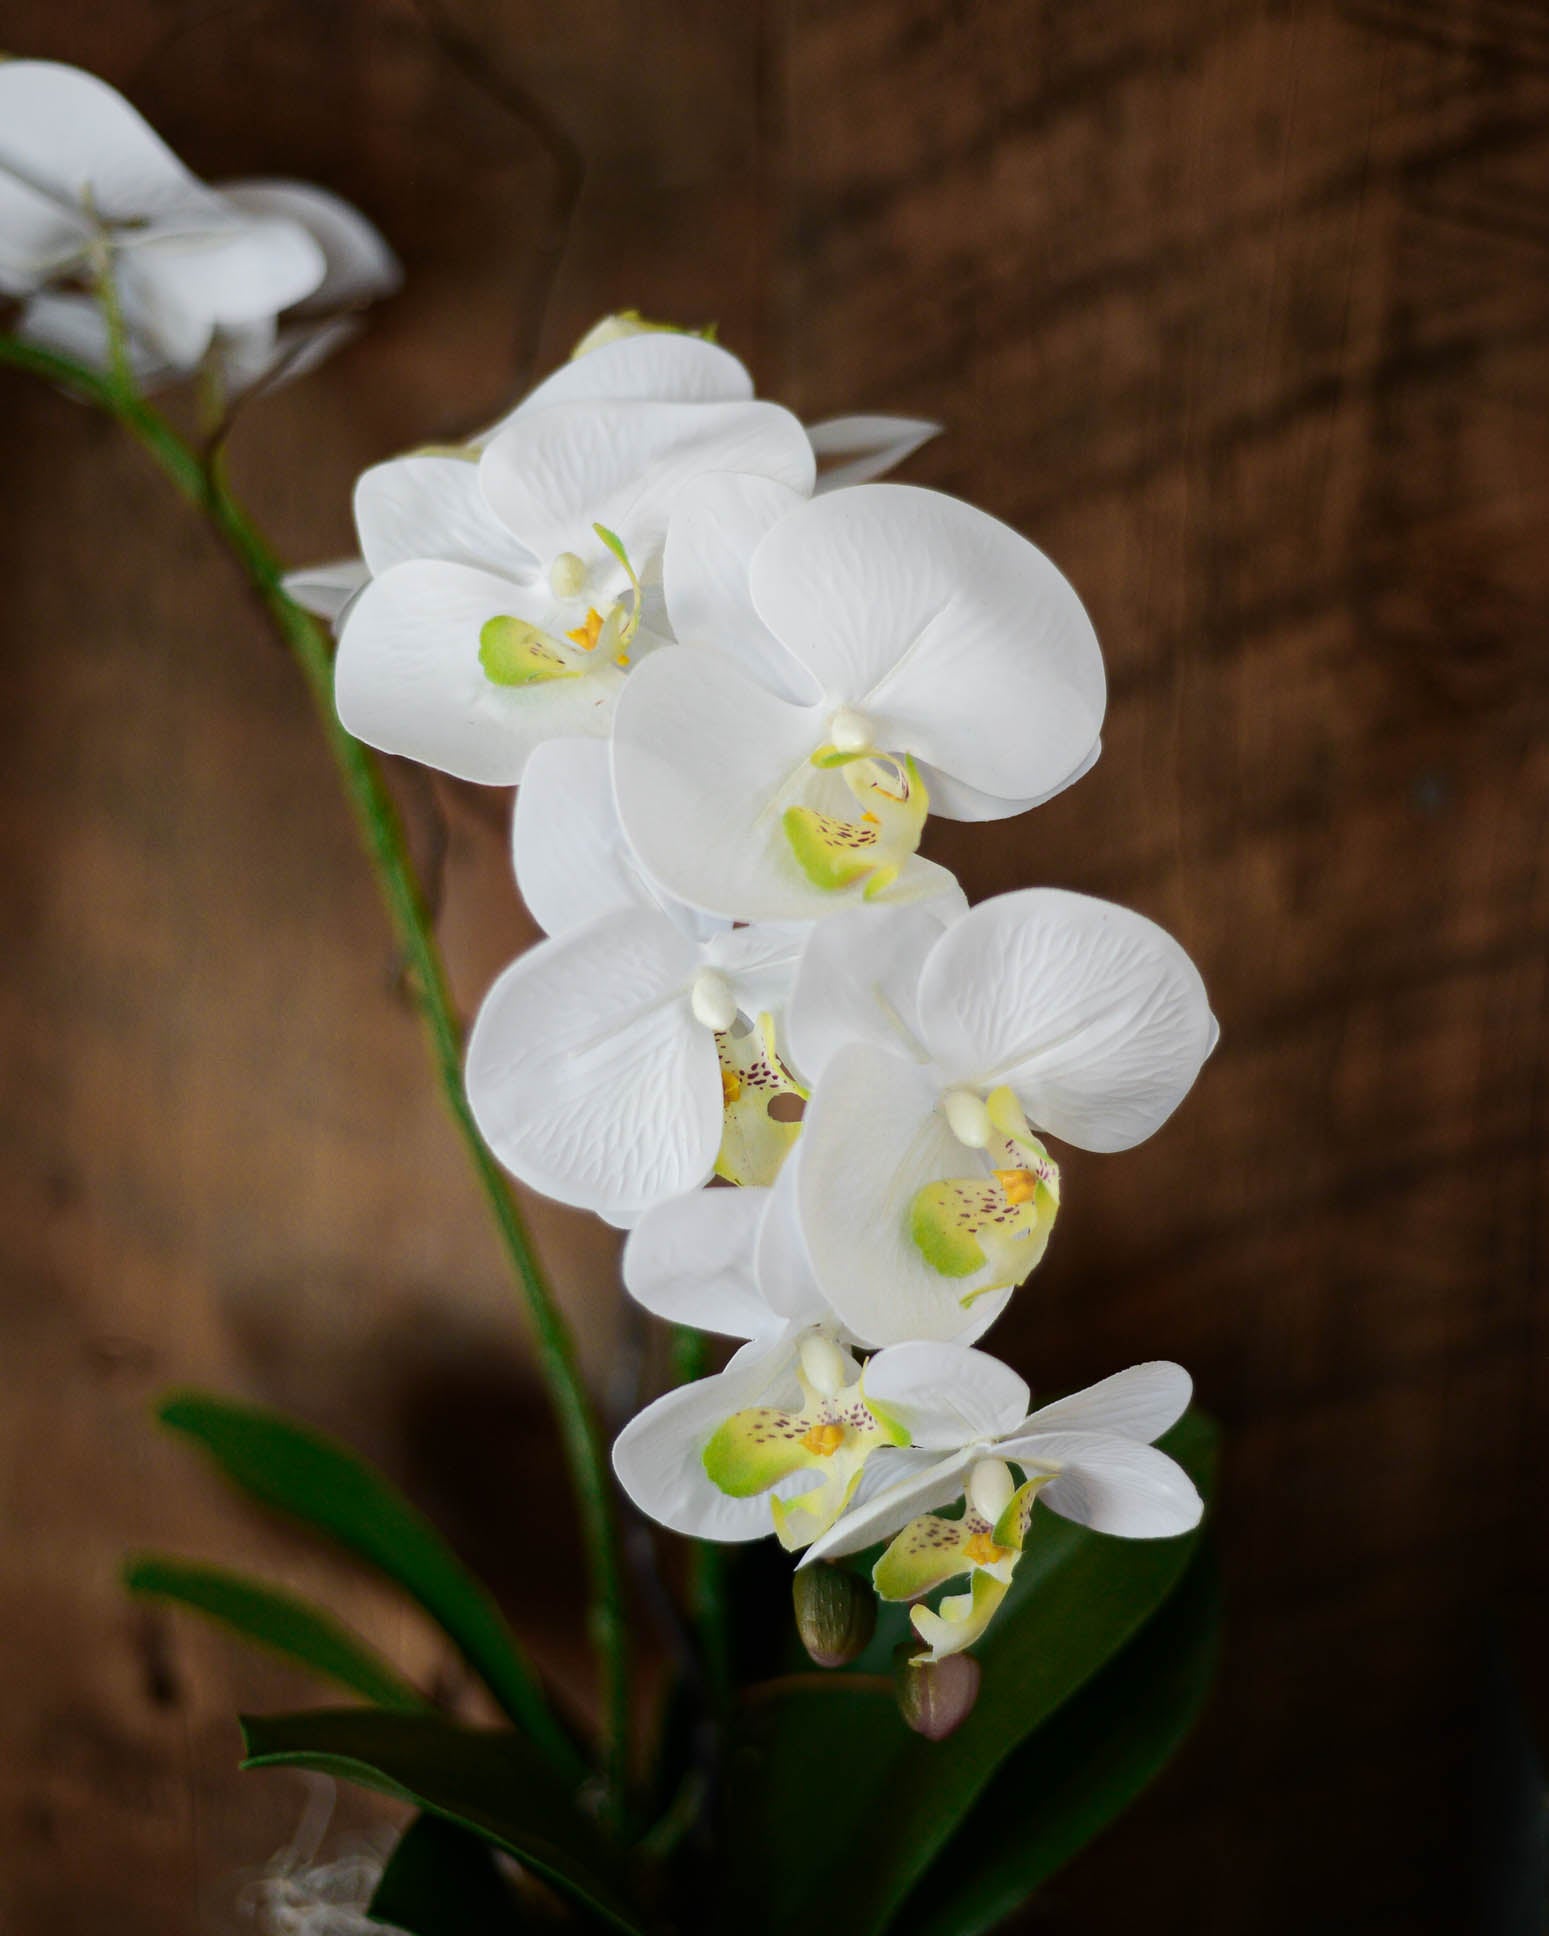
(263, 277)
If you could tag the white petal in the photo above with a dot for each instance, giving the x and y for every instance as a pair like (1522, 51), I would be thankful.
(947, 1396)
(955, 800)
(716, 524)
(1093, 1014)
(358, 266)
(1113, 1485)
(407, 678)
(296, 348)
(926, 1484)
(956, 637)
(1140, 1403)
(568, 850)
(705, 762)
(871, 1137)
(185, 284)
(72, 137)
(691, 1261)
(326, 590)
(587, 1073)
(781, 1264)
(432, 507)
(659, 1455)
(552, 474)
(853, 450)
(859, 982)
(39, 237)
(760, 961)
(657, 366)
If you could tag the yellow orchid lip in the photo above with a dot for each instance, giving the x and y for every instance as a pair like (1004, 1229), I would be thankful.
(836, 853)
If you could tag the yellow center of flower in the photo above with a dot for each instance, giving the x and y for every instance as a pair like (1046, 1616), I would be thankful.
(1020, 1186)
(587, 633)
(824, 1440)
(731, 1086)
(983, 1551)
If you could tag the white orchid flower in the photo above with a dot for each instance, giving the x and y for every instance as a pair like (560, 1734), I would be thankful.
(933, 1057)
(705, 1260)
(621, 1063)
(885, 650)
(791, 1434)
(510, 589)
(1088, 1457)
(263, 277)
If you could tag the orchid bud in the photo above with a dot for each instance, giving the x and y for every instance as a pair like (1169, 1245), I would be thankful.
(935, 1696)
(836, 1613)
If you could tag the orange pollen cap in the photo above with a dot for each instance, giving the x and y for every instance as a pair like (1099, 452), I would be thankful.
(825, 1440)
(589, 631)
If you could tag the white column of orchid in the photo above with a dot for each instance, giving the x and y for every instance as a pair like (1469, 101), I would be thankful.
(763, 1032)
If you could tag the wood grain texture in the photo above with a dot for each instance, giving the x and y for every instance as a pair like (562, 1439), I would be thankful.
(1240, 312)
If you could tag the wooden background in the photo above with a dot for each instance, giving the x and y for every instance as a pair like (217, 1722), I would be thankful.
(1240, 311)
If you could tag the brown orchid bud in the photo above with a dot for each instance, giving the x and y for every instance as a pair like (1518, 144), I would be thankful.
(935, 1697)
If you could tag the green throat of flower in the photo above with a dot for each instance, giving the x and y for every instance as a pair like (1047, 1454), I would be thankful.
(836, 852)
(513, 652)
(999, 1220)
(830, 1436)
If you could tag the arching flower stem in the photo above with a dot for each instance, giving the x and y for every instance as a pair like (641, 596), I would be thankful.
(202, 484)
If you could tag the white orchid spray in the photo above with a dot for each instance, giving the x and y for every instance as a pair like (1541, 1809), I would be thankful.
(117, 251)
(732, 677)
(752, 976)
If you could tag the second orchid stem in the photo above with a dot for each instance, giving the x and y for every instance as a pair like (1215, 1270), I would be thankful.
(201, 483)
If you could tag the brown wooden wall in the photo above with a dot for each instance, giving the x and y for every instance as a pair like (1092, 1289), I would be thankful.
(1240, 311)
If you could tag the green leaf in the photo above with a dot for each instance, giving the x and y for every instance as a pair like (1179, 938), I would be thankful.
(442, 1881)
(299, 1471)
(821, 1771)
(277, 1620)
(1079, 1772)
(496, 1785)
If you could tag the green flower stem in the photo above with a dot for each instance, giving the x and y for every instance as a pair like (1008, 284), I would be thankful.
(378, 819)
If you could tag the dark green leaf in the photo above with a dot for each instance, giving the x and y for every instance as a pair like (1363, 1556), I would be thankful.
(856, 1836)
(277, 1620)
(494, 1784)
(299, 1471)
(1075, 1775)
(442, 1881)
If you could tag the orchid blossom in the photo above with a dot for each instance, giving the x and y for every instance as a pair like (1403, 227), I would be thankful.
(883, 650)
(936, 1057)
(625, 1061)
(510, 588)
(100, 220)
(707, 1260)
(793, 1433)
(1088, 1457)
